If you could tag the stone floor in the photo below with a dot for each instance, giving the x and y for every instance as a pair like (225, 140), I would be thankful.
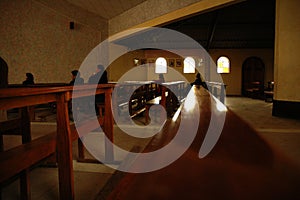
(283, 134)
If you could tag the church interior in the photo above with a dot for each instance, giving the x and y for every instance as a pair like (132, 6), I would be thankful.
(234, 135)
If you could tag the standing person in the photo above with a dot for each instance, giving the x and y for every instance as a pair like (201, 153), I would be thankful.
(29, 79)
(76, 75)
(199, 81)
(99, 77)
(160, 80)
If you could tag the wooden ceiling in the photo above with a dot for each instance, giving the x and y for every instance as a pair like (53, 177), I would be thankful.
(249, 24)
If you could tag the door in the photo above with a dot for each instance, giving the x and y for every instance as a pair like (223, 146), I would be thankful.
(253, 73)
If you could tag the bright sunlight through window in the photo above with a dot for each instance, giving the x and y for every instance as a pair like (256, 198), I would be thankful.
(189, 65)
(161, 65)
(223, 65)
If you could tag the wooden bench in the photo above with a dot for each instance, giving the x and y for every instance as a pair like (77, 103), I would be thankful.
(269, 96)
(20, 125)
(141, 91)
(22, 97)
(170, 108)
(269, 92)
(155, 101)
(43, 117)
(254, 90)
(19, 160)
(146, 94)
(241, 165)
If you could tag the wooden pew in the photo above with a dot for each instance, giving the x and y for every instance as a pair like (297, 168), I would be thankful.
(16, 126)
(171, 96)
(146, 94)
(269, 92)
(242, 165)
(22, 157)
(38, 85)
(140, 91)
(21, 97)
(32, 109)
(152, 102)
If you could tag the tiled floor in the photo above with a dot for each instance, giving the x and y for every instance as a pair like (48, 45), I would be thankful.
(283, 134)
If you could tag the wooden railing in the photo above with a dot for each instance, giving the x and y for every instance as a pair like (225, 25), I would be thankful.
(217, 89)
(145, 91)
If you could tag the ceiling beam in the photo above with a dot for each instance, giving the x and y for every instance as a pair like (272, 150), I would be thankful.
(211, 30)
(160, 17)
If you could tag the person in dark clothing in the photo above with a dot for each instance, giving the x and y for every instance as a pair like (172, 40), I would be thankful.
(3, 73)
(76, 103)
(76, 75)
(161, 79)
(199, 81)
(29, 79)
(99, 77)
(3, 84)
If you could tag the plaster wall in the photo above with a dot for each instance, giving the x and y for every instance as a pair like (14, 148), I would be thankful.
(287, 45)
(233, 80)
(36, 38)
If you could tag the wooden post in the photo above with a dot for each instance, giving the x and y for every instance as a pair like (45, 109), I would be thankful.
(108, 126)
(64, 149)
(26, 137)
(25, 185)
(25, 125)
(222, 93)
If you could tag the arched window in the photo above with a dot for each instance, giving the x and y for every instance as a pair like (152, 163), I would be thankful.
(161, 65)
(223, 65)
(189, 65)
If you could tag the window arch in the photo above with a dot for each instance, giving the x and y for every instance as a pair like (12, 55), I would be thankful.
(223, 65)
(189, 65)
(161, 65)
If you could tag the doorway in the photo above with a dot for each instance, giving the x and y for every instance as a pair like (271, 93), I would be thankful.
(253, 73)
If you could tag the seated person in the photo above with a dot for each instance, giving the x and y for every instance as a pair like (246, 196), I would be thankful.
(29, 79)
(198, 81)
(78, 105)
(76, 75)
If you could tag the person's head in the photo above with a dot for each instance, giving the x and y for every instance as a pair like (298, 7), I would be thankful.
(75, 73)
(29, 76)
(198, 76)
(100, 68)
